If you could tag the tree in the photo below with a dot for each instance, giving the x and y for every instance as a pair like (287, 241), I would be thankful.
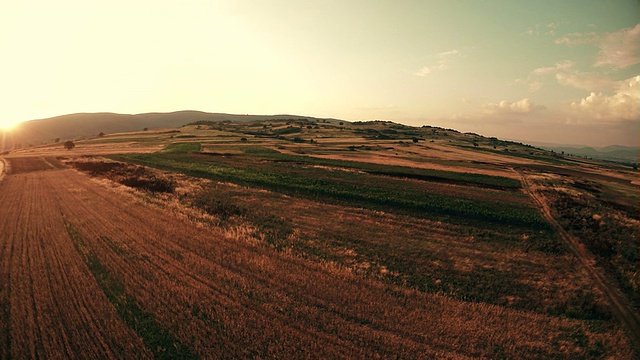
(101, 134)
(57, 140)
(415, 139)
(69, 145)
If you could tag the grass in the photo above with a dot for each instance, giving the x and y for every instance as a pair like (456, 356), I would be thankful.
(462, 178)
(183, 148)
(366, 190)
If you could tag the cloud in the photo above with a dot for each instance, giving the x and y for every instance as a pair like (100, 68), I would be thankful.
(500, 113)
(566, 75)
(586, 81)
(619, 49)
(573, 39)
(623, 105)
(535, 85)
(562, 65)
(546, 29)
(597, 119)
(444, 58)
(523, 106)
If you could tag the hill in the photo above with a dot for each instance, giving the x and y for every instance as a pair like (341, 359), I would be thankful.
(617, 153)
(83, 125)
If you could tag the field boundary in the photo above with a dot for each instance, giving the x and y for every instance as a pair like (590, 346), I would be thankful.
(620, 307)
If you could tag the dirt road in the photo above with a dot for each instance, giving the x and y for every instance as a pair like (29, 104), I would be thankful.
(620, 306)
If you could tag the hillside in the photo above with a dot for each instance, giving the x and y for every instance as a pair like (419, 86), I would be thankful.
(83, 125)
(304, 238)
(88, 125)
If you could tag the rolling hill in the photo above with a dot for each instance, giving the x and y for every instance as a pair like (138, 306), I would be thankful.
(82, 125)
(617, 153)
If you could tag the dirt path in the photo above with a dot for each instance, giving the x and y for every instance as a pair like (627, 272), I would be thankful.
(620, 306)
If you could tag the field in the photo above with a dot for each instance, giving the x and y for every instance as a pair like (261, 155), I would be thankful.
(279, 239)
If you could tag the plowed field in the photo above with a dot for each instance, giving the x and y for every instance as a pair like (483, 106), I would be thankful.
(52, 306)
(87, 272)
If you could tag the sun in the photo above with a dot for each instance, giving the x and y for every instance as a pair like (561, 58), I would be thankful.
(7, 125)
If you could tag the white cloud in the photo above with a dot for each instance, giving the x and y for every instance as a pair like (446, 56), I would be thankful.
(624, 105)
(444, 59)
(586, 81)
(523, 106)
(535, 85)
(562, 65)
(596, 120)
(503, 111)
(545, 29)
(566, 74)
(424, 71)
(576, 39)
(618, 49)
(449, 53)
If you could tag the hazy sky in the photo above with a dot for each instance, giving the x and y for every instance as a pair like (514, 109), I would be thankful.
(551, 71)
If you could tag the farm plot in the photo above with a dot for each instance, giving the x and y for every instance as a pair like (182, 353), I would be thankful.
(51, 305)
(193, 291)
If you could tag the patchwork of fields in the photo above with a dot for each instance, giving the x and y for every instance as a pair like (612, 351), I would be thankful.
(226, 248)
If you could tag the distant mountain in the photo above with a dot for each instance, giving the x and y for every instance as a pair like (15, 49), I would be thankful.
(75, 126)
(617, 153)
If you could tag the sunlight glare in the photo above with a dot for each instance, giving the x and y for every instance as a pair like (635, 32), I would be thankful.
(8, 124)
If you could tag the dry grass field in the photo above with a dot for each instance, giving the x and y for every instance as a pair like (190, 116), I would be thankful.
(250, 240)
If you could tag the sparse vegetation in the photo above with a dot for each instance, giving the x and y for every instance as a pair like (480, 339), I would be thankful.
(129, 175)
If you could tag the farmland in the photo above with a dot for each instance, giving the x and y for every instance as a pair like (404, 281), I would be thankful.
(277, 240)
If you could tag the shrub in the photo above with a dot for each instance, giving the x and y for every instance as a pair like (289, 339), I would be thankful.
(69, 145)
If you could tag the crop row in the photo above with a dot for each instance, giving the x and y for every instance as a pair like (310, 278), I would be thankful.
(406, 200)
(481, 180)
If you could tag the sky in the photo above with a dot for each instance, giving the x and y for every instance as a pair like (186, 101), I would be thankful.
(534, 71)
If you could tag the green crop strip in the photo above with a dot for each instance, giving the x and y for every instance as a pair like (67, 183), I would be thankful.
(183, 148)
(355, 191)
(488, 181)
